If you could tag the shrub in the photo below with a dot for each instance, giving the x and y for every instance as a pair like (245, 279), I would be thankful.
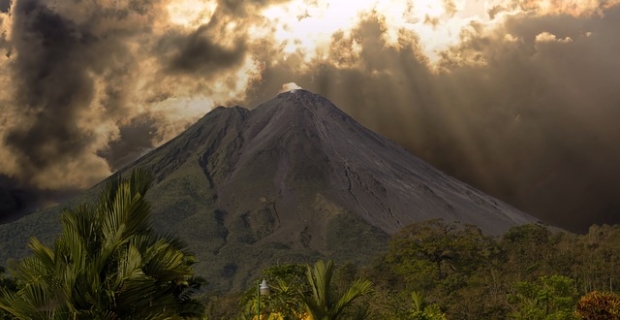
(599, 306)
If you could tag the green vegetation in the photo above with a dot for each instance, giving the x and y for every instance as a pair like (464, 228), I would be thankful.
(530, 272)
(288, 287)
(108, 262)
(550, 297)
(316, 291)
(436, 270)
(324, 303)
(421, 310)
(7, 284)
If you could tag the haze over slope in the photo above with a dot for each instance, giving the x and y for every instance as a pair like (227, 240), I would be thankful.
(292, 180)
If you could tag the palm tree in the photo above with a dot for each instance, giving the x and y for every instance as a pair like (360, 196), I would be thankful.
(108, 263)
(325, 303)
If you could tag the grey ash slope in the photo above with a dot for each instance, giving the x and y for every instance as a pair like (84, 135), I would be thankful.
(307, 138)
(294, 179)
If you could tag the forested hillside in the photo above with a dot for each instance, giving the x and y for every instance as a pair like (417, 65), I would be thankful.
(438, 270)
(110, 263)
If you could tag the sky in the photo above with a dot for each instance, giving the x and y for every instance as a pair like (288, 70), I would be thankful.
(519, 98)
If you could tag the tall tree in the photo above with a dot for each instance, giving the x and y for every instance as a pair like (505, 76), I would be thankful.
(438, 248)
(108, 263)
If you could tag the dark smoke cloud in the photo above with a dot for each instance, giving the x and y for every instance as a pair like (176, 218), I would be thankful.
(55, 91)
(134, 141)
(198, 54)
(17, 200)
(5, 6)
(52, 85)
(202, 52)
(4, 44)
(244, 8)
(75, 82)
(75, 105)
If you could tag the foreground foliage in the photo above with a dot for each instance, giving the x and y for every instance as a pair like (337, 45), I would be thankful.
(108, 263)
(530, 272)
(309, 292)
(447, 270)
(325, 303)
(599, 306)
(7, 284)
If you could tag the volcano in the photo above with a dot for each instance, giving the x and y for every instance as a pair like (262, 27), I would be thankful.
(293, 180)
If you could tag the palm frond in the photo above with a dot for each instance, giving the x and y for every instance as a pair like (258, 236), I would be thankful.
(324, 304)
(357, 289)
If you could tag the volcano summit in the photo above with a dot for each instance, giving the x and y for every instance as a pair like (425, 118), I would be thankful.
(292, 180)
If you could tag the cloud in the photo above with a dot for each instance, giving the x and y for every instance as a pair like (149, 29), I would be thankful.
(5, 6)
(80, 73)
(548, 37)
(575, 8)
(450, 7)
(198, 54)
(52, 88)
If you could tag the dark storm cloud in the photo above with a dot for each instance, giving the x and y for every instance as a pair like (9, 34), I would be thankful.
(52, 84)
(5, 47)
(75, 76)
(533, 122)
(541, 116)
(5, 6)
(201, 52)
(16, 200)
(75, 110)
(243, 8)
(198, 54)
(56, 95)
(134, 141)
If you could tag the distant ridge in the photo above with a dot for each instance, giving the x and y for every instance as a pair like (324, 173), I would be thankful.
(292, 180)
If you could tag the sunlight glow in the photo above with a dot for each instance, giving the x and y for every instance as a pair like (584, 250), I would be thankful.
(308, 26)
(302, 31)
(191, 13)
